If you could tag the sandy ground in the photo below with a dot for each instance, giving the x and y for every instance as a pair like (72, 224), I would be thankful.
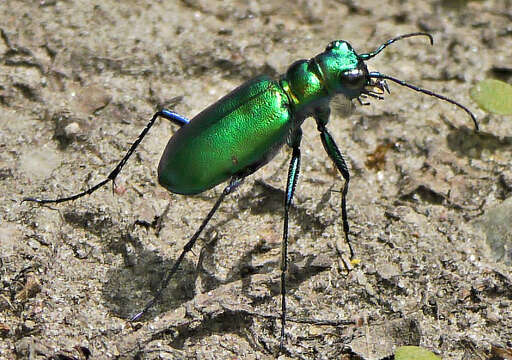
(429, 204)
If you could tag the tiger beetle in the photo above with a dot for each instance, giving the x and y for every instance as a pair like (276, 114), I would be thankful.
(243, 131)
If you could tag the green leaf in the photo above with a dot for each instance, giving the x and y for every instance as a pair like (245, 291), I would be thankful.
(414, 353)
(493, 96)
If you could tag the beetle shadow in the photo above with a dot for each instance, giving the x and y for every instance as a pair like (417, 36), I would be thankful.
(132, 284)
(264, 198)
(270, 199)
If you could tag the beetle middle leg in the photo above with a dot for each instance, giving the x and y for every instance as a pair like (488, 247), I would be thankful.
(233, 184)
(167, 114)
(291, 182)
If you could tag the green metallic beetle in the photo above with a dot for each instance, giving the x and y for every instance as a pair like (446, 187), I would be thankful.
(243, 131)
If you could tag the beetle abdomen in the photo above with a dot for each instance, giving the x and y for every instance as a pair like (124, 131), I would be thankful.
(237, 132)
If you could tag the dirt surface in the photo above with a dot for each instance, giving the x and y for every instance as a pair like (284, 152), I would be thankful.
(429, 204)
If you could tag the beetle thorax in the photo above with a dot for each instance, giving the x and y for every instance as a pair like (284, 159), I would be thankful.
(337, 70)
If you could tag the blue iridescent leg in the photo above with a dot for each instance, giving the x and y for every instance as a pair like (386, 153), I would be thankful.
(174, 117)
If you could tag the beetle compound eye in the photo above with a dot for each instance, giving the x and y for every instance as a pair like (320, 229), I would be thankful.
(353, 79)
(338, 45)
(332, 45)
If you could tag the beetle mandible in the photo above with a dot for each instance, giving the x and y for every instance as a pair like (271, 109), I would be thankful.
(241, 132)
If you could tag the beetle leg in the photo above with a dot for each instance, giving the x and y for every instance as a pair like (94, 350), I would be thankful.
(233, 184)
(291, 182)
(174, 117)
(322, 117)
(167, 114)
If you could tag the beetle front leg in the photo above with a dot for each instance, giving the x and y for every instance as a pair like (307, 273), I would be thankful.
(322, 118)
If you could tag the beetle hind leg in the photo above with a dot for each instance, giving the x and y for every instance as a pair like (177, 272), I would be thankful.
(167, 114)
(233, 184)
(173, 117)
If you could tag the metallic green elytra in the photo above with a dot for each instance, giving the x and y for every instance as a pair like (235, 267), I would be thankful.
(241, 132)
(237, 133)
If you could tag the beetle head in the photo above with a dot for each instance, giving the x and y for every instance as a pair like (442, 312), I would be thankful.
(345, 72)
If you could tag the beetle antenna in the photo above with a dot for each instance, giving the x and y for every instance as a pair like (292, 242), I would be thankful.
(378, 75)
(389, 42)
